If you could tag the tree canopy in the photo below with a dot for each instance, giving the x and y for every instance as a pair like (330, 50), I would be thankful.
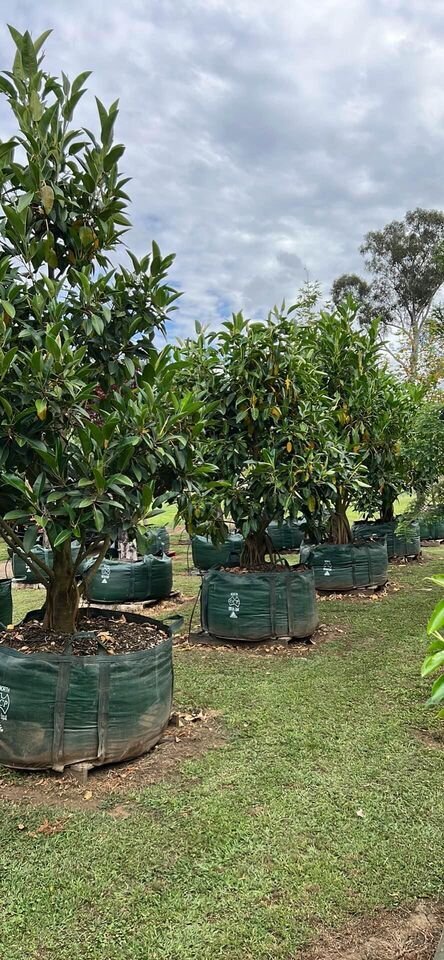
(91, 432)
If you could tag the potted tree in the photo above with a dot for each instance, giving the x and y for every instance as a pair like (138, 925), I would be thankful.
(91, 437)
(351, 378)
(425, 452)
(389, 467)
(268, 438)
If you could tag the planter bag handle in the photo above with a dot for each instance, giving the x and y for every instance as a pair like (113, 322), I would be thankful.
(176, 623)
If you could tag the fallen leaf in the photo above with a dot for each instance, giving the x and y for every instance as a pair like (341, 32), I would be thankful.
(87, 795)
(360, 813)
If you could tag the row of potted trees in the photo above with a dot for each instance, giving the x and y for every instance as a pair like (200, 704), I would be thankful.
(260, 422)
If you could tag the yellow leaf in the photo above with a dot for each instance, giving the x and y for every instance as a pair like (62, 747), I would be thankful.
(47, 195)
(276, 412)
(41, 408)
(289, 447)
(311, 503)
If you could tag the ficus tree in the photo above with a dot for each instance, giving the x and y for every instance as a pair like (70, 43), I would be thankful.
(424, 450)
(266, 432)
(369, 409)
(388, 463)
(92, 435)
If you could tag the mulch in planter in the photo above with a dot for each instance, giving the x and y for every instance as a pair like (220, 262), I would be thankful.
(94, 635)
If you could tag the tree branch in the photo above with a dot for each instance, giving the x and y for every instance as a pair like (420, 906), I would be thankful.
(39, 567)
(94, 567)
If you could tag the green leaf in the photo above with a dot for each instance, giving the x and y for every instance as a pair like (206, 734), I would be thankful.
(30, 537)
(8, 308)
(437, 692)
(123, 479)
(86, 502)
(61, 538)
(436, 621)
(86, 236)
(16, 515)
(98, 324)
(16, 482)
(28, 54)
(432, 662)
(439, 579)
(38, 44)
(39, 485)
(99, 519)
(24, 201)
(37, 108)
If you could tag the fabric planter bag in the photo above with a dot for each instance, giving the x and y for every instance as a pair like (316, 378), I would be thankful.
(57, 710)
(20, 569)
(397, 545)
(259, 606)
(119, 581)
(432, 529)
(160, 540)
(5, 602)
(285, 536)
(206, 554)
(344, 567)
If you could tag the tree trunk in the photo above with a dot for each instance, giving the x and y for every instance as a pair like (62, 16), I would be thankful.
(62, 597)
(256, 547)
(340, 531)
(387, 508)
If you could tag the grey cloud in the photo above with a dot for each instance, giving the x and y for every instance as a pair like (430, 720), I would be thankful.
(263, 139)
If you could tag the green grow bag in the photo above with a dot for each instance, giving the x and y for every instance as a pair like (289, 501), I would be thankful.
(120, 581)
(56, 710)
(285, 536)
(397, 546)
(206, 554)
(5, 602)
(259, 606)
(432, 529)
(343, 567)
(20, 569)
(160, 540)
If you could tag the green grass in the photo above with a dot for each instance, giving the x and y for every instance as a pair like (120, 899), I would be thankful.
(259, 843)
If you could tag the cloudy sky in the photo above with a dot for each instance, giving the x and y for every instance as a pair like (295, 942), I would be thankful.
(263, 138)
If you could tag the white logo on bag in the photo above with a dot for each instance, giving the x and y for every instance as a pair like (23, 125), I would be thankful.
(234, 605)
(327, 568)
(105, 572)
(5, 703)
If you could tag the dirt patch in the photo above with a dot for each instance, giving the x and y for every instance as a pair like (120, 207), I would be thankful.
(405, 934)
(434, 741)
(374, 594)
(261, 648)
(190, 733)
(403, 561)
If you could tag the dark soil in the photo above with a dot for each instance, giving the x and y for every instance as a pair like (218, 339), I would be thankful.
(95, 635)
(405, 934)
(265, 568)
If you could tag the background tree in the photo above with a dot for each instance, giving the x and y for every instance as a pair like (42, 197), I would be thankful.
(91, 433)
(354, 286)
(266, 432)
(424, 449)
(407, 273)
(368, 408)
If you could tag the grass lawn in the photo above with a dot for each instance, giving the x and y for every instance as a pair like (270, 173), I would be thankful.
(248, 852)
